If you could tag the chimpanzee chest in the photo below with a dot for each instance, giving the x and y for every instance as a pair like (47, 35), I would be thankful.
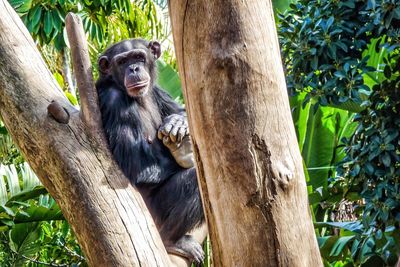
(151, 120)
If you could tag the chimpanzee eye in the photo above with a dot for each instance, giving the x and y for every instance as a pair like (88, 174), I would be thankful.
(139, 58)
(122, 61)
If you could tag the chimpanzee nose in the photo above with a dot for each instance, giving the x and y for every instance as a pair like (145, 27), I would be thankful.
(134, 68)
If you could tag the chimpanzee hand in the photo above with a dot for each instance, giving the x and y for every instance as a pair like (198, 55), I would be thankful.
(175, 127)
(174, 132)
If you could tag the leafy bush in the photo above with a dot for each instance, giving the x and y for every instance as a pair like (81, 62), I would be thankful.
(32, 229)
(345, 54)
(323, 42)
(373, 160)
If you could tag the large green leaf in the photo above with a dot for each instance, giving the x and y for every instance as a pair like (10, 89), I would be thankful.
(340, 244)
(29, 178)
(48, 23)
(21, 6)
(27, 194)
(23, 239)
(375, 60)
(300, 116)
(355, 227)
(38, 213)
(281, 5)
(169, 80)
(319, 133)
(10, 172)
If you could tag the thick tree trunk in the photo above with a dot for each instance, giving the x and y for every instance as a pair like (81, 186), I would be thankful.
(107, 214)
(249, 165)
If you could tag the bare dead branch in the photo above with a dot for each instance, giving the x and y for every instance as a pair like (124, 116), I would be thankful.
(90, 112)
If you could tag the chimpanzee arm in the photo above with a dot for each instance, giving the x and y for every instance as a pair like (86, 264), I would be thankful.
(174, 132)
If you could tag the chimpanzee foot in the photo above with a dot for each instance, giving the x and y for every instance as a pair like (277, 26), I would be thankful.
(189, 248)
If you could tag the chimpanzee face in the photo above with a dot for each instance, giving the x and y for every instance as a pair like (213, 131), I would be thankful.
(131, 65)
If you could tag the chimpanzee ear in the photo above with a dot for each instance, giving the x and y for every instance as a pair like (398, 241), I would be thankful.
(155, 48)
(104, 64)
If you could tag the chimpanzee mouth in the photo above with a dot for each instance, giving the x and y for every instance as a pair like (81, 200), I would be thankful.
(137, 85)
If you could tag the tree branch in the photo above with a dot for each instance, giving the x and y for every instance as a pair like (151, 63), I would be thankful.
(90, 111)
(107, 214)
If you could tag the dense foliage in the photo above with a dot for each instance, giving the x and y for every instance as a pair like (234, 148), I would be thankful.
(344, 54)
(106, 21)
(372, 164)
(323, 44)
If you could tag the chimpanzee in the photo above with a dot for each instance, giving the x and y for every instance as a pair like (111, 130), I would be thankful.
(147, 133)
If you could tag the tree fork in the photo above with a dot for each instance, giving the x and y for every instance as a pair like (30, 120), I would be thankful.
(69, 155)
(248, 160)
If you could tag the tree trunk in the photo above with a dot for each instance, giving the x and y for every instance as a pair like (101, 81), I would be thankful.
(71, 159)
(248, 160)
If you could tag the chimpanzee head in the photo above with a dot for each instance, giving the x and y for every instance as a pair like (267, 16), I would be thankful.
(131, 65)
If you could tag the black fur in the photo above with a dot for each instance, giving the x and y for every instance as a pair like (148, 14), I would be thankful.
(171, 192)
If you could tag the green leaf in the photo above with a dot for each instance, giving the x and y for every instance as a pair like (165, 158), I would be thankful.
(71, 98)
(59, 78)
(27, 194)
(29, 178)
(325, 244)
(9, 211)
(38, 213)
(57, 23)
(281, 5)
(340, 74)
(21, 6)
(23, 239)
(48, 23)
(168, 79)
(314, 63)
(3, 188)
(340, 244)
(12, 178)
(330, 22)
(355, 226)
(319, 141)
(35, 15)
(385, 157)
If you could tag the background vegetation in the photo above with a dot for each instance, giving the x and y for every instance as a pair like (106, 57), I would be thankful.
(343, 73)
(342, 69)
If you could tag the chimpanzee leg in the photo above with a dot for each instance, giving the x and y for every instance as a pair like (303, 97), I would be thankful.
(177, 209)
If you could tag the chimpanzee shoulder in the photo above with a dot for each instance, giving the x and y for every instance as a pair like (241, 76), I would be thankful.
(165, 102)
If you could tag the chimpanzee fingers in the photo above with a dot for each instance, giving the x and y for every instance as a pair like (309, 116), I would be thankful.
(175, 126)
(175, 130)
(169, 123)
(181, 134)
(160, 134)
(166, 141)
(165, 129)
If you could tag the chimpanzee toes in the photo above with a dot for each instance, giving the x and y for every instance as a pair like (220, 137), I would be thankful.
(189, 248)
(198, 255)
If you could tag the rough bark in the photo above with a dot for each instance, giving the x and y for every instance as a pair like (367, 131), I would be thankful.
(248, 161)
(105, 211)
